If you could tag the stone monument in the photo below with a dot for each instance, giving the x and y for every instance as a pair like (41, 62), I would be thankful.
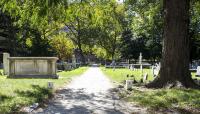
(32, 67)
(129, 84)
(140, 62)
(6, 63)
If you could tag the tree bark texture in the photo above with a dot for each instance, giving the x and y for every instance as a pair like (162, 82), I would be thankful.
(176, 51)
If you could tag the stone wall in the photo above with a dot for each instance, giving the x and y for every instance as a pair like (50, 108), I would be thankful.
(32, 67)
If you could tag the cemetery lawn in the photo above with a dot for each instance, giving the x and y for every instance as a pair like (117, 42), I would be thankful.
(120, 74)
(185, 101)
(156, 99)
(17, 93)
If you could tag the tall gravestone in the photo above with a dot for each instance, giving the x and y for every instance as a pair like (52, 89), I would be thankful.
(140, 62)
(198, 71)
(6, 63)
(74, 61)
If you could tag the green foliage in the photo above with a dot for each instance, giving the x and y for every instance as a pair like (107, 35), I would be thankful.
(119, 30)
(16, 93)
(144, 29)
(63, 46)
(110, 21)
(194, 30)
(100, 52)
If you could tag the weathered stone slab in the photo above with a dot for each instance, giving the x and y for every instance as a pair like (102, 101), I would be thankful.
(32, 67)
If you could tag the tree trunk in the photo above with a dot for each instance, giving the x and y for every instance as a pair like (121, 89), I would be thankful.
(175, 62)
(82, 56)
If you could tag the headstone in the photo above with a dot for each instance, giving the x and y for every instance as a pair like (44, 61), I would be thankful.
(74, 61)
(145, 77)
(140, 61)
(129, 84)
(6, 63)
(50, 85)
(156, 70)
(198, 71)
(132, 67)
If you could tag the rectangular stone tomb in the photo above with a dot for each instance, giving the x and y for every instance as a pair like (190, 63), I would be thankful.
(32, 67)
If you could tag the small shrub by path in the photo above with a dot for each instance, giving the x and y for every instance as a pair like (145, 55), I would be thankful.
(16, 93)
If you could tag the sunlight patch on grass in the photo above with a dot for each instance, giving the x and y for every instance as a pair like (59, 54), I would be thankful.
(119, 75)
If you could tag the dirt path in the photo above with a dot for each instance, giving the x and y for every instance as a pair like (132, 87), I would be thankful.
(89, 94)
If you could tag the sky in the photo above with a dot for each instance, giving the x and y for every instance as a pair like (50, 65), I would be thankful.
(120, 1)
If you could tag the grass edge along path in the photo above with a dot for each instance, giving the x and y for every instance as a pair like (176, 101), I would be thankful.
(16, 93)
(155, 99)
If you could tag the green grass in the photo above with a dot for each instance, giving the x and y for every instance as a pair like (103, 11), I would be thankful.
(120, 74)
(166, 98)
(158, 98)
(16, 93)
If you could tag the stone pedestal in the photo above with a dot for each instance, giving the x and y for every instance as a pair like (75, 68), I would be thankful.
(129, 84)
(50, 85)
(32, 67)
(6, 63)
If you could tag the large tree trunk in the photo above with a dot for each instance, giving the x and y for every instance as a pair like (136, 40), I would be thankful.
(175, 62)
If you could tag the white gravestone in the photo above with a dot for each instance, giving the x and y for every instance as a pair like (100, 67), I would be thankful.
(140, 61)
(198, 71)
(156, 70)
(6, 63)
(50, 85)
(145, 77)
(129, 84)
(132, 67)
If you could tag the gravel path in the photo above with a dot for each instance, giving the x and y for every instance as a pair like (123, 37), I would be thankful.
(89, 93)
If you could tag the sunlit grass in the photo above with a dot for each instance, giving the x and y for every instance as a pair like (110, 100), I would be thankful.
(120, 74)
(166, 98)
(15, 93)
(159, 98)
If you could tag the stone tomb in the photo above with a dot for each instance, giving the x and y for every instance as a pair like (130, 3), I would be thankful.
(32, 67)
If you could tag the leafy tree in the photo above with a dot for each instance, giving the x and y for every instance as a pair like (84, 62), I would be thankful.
(145, 20)
(175, 62)
(78, 21)
(110, 20)
(63, 46)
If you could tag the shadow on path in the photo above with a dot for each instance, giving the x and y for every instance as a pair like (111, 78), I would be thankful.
(70, 101)
(88, 94)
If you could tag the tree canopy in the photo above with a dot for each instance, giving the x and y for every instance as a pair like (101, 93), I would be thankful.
(107, 29)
